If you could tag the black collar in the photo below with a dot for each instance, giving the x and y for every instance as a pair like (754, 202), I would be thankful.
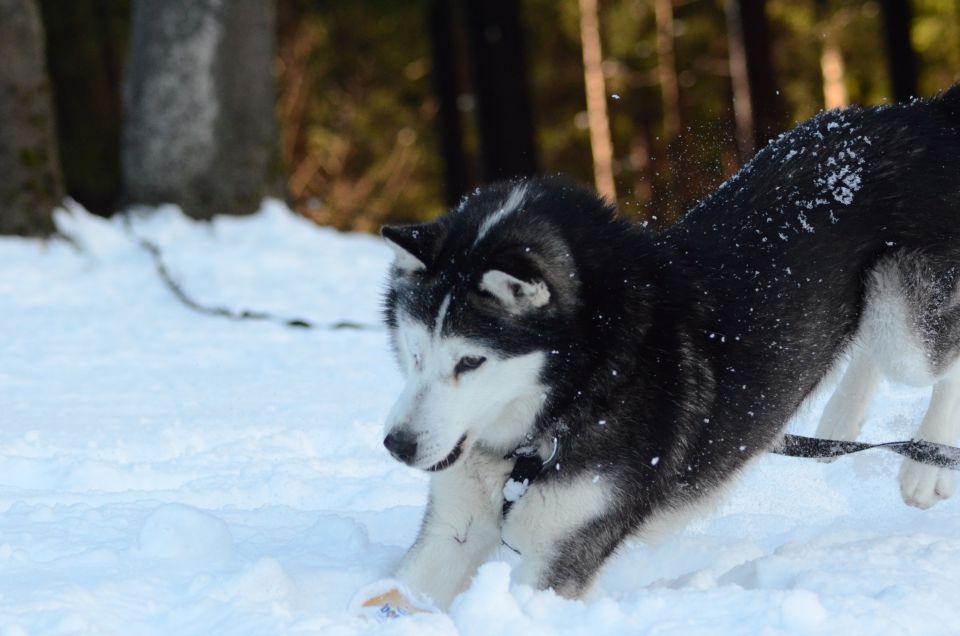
(527, 467)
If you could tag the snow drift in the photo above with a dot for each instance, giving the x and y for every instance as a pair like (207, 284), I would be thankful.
(165, 472)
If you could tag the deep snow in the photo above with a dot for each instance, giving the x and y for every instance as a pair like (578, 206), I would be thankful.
(163, 472)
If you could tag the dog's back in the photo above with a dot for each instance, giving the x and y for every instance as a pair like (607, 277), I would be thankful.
(846, 225)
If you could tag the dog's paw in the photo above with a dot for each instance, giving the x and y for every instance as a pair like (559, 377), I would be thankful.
(388, 599)
(838, 425)
(922, 486)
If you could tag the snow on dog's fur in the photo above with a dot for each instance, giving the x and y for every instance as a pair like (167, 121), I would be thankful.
(651, 367)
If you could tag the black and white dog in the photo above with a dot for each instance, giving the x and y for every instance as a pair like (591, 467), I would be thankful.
(637, 372)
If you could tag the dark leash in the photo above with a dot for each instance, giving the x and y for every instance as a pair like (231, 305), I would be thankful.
(918, 450)
(528, 465)
(188, 301)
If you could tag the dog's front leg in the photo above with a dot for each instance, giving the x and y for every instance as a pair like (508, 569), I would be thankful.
(460, 528)
(563, 531)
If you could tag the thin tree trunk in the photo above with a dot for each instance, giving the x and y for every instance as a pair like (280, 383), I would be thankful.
(833, 69)
(640, 161)
(200, 129)
(667, 69)
(600, 143)
(31, 186)
(504, 111)
(740, 83)
(901, 57)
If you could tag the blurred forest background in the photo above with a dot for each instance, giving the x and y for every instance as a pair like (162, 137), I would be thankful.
(362, 111)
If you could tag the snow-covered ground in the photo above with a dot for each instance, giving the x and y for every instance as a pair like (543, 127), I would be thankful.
(163, 472)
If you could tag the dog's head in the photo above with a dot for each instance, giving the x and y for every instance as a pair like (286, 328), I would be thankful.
(477, 306)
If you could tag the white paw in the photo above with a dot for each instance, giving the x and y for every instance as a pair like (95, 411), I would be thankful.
(922, 486)
(838, 426)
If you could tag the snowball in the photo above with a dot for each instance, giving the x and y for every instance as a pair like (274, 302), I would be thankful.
(803, 609)
(513, 489)
(336, 536)
(265, 581)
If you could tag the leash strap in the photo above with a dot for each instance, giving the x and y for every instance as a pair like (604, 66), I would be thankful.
(528, 465)
(918, 450)
(224, 312)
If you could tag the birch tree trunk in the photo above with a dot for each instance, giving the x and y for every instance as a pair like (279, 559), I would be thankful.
(31, 186)
(200, 129)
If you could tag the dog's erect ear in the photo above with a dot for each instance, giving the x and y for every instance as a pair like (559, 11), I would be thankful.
(517, 295)
(413, 245)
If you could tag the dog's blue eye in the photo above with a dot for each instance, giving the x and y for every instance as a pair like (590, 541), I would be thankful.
(468, 363)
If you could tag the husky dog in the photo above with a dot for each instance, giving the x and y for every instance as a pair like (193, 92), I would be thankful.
(639, 371)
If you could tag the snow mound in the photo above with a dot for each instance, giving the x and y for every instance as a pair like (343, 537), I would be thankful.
(489, 606)
(266, 581)
(179, 533)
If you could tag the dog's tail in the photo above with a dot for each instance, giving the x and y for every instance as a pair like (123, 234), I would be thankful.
(951, 101)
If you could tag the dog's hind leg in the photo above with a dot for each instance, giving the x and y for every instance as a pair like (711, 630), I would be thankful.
(911, 323)
(843, 416)
(920, 484)
(460, 529)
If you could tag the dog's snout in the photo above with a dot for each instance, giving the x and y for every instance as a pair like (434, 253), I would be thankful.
(403, 446)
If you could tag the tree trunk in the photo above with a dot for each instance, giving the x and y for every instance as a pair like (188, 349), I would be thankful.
(901, 58)
(87, 43)
(504, 113)
(759, 109)
(200, 129)
(601, 145)
(31, 186)
(446, 84)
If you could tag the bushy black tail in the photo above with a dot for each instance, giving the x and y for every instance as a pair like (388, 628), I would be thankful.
(951, 101)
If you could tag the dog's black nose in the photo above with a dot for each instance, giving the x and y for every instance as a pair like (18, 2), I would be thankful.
(403, 446)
